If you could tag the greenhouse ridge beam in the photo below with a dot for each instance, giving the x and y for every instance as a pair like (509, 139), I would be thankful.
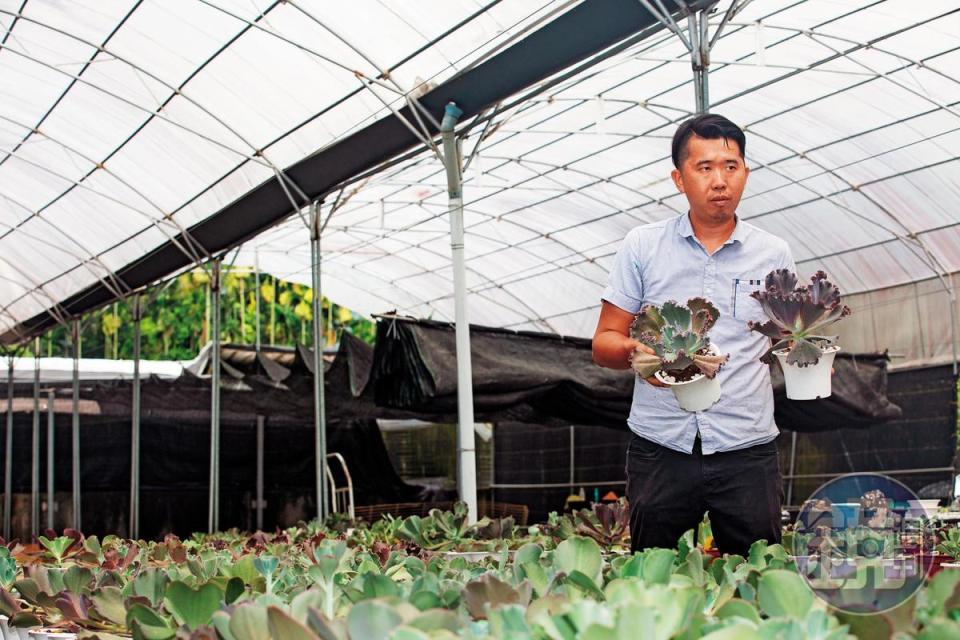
(570, 38)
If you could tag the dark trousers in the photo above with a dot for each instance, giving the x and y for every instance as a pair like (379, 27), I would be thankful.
(669, 491)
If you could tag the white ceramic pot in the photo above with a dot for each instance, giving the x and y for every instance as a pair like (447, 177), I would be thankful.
(810, 382)
(698, 394)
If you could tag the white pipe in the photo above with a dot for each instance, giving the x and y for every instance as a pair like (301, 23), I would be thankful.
(35, 444)
(466, 452)
(256, 297)
(213, 516)
(319, 408)
(75, 427)
(8, 456)
(135, 426)
(51, 455)
(260, 502)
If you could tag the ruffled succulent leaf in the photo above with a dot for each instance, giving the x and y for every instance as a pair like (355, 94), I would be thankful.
(702, 322)
(768, 328)
(675, 315)
(798, 315)
(679, 362)
(648, 322)
(804, 353)
(645, 364)
(822, 291)
(780, 281)
(676, 333)
(768, 357)
(838, 312)
(709, 363)
(782, 310)
(705, 314)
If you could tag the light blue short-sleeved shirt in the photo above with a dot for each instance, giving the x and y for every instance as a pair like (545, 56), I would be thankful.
(664, 261)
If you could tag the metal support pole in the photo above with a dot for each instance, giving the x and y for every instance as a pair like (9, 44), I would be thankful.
(35, 443)
(51, 424)
(952, 294)
(256, 275)
(135, 426)
(319, 408)
(75, 426)
(260, 502)
(8, 456)
(700, 59)
(793, 458)
(214, 514)
(572, 459)
(466, 451)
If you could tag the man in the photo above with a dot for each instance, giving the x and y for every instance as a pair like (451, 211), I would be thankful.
(722, 460)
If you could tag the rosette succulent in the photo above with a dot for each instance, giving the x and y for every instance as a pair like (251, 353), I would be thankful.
(678, 336)
(798, 315)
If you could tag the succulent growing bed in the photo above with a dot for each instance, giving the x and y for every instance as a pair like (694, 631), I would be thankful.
(401, 579)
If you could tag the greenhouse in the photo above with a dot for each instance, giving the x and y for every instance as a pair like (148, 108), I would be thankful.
(479, 319)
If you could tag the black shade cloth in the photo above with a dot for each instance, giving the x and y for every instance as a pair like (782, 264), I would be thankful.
(548, 379)
(175, 441)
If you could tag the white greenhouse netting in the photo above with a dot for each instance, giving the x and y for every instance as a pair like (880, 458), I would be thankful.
(124, 123)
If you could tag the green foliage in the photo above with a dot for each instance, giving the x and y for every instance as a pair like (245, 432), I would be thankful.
(950, 543)
(8, 568)
(175, 325)
(311, 582)
(58, 547)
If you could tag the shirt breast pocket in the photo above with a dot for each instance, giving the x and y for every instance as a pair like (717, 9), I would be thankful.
(742, 305)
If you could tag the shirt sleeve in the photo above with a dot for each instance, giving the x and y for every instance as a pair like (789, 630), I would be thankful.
(625, 288)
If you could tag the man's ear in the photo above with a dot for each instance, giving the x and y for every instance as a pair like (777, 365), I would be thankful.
(677, 180)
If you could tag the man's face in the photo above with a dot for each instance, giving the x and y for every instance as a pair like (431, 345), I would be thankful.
(712, 177)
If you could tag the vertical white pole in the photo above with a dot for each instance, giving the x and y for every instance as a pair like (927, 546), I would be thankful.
(51, 425)
(256, 275)
(260, 503)
(213, 519)
(466, 451)
(8, 456)
(135, 432)
(75, 426)
(35, 443)
(319, 409)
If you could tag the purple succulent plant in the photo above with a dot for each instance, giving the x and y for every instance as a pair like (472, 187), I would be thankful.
(798, 315)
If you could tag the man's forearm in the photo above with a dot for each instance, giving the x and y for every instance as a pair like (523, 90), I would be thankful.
(612, 350)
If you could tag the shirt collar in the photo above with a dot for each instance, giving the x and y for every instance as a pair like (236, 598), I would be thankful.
(685, 229)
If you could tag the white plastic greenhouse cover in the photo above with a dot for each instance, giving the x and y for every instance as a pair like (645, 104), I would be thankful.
(123, 123)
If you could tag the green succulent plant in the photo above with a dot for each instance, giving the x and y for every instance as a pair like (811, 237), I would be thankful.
(678, 336)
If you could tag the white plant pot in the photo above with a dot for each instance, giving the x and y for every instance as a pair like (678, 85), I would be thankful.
(697, 394)
(51, 634)
(12, 633)
(810, 382)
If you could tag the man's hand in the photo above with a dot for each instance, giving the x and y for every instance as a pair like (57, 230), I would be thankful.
(612, 345)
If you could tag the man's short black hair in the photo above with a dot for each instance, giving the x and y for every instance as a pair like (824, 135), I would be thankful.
(710, 126)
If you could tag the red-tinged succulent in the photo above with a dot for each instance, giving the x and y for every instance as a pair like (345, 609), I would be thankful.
(798, 315)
